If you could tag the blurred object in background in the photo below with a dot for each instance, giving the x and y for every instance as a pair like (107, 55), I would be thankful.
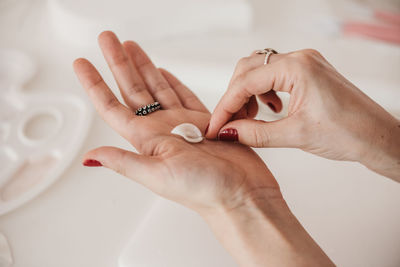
(80, 22)
(386, 29)
(379, 20)
(40, 133)
(16, 69)
(6, 259)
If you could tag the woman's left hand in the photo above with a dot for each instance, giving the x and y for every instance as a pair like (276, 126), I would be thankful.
(202, 175)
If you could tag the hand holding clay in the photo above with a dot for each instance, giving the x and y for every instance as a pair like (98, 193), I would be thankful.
(328, 115)
(201, 175)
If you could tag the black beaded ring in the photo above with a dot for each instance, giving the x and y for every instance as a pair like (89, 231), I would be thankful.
(147, 109)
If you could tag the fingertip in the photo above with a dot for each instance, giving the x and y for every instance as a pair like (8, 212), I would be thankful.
(90, 159)
(132, 46)
(130, 43)
(238, 131)
(89, 155)
(79, 63)
(164, 71)
(82, 65)
(99, 154)
(91, 163)
(79, 60)
(218, 119)
(228, 134)
(105, 35)
(211, 133)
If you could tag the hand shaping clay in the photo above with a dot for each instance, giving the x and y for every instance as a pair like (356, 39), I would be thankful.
(189, 132)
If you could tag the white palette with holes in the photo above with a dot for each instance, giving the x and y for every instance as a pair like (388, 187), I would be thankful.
(39, 133)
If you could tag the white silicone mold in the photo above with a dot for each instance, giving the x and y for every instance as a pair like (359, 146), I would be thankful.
(40, 134)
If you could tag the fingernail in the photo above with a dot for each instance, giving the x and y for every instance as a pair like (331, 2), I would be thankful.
(92, 163)
(272, 106)
(206, 131)
(229, 134)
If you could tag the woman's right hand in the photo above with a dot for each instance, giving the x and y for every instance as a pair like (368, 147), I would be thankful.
(328, 115)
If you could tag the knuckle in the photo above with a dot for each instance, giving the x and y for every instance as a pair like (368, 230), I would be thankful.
(254, 52)
(260, 137)
(241, 65)
(242, 78)
(161, 86)
(120, 166)
(95, 84)
(312, 52)
(120, 59)
(131, 43)
(136, 88)
(243, 61)
(241, 88)
(142, 63)
(302, 61)
(306, 55)
(238, 80)
(301, 56)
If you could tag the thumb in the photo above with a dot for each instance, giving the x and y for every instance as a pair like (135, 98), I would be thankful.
(259, 133)
(142, 169)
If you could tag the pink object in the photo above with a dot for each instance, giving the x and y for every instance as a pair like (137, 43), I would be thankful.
(388, 30)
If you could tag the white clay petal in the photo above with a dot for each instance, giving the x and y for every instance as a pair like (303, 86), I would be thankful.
(189, 132)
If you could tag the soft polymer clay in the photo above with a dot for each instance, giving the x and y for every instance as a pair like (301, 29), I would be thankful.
(190, 132)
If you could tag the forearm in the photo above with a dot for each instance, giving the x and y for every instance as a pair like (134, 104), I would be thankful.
(383, 150)
(265, 233)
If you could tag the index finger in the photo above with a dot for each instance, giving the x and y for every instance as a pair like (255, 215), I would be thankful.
(107, 105)
(254, 82)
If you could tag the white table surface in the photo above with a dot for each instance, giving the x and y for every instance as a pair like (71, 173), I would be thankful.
(87, 217)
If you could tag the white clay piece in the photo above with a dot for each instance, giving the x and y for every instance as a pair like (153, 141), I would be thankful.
(189, 132)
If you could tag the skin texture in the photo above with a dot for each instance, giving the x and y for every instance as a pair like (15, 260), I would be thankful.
(328, 116)
(226, 183)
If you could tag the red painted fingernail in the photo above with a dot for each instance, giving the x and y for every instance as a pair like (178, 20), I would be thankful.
(272, 106)
(206, 131)
(92, 163)
(229, 134)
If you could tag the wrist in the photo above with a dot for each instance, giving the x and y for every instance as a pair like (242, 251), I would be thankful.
(263, 232)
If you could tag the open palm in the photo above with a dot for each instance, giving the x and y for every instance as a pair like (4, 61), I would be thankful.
(200, 175)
